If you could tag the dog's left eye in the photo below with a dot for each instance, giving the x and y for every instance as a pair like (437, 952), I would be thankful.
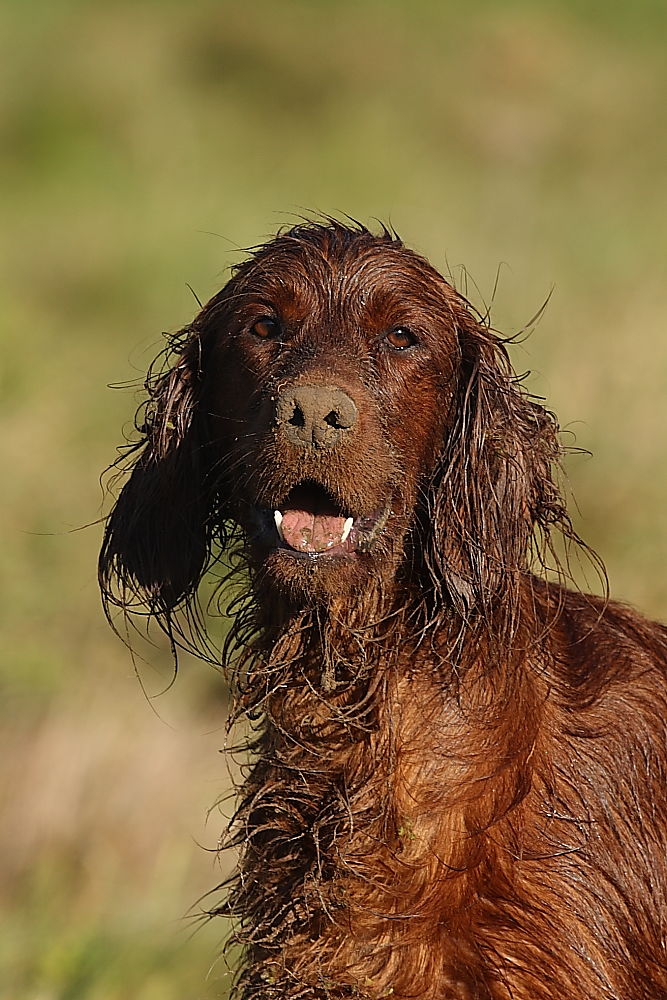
(400, 338)
(266, 328)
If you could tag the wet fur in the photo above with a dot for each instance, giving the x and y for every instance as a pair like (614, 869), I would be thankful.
(459, 784)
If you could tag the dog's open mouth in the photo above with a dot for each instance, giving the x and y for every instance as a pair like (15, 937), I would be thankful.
(311, 522)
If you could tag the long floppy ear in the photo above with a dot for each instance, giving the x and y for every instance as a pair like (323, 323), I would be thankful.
(157, 539)
(494, 498)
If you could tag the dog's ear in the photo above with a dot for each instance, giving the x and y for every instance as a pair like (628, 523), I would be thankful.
(494, 497)
(157, 540)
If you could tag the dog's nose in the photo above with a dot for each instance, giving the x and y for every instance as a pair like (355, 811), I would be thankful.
(315, 416)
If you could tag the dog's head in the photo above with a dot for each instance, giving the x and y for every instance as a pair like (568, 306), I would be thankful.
(341, 403)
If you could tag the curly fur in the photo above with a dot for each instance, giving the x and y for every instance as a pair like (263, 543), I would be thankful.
(458, 783)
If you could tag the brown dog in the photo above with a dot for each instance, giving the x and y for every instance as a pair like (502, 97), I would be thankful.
(459, 786)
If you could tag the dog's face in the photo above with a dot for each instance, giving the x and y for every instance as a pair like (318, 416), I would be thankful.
(341, 402)
(330, 381)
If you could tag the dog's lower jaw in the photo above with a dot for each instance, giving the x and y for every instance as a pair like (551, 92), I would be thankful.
(357, 591)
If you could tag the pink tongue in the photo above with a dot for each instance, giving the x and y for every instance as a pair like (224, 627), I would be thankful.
(308, 532)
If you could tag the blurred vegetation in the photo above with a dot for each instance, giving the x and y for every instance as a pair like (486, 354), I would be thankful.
(143, 145)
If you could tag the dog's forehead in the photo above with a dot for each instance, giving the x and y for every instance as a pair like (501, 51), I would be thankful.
(374, 273)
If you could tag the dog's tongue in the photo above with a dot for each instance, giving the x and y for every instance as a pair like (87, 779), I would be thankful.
(307, 532)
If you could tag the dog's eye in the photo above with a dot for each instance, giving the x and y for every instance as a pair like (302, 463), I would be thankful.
(400, 338)
(266, 328)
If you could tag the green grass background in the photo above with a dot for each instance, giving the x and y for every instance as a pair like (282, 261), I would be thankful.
(143, 144)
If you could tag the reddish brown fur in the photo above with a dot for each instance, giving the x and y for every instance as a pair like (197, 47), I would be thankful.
(459, 778)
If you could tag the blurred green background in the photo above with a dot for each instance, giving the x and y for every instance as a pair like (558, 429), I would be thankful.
(144, 143)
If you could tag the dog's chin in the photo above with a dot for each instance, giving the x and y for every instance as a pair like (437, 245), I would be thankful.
(317, 580)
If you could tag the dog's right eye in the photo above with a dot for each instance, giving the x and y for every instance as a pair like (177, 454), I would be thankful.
(400, 338)
(266, 328)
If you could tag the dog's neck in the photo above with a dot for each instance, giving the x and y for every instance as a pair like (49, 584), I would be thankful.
(319, 681)
(335, 644)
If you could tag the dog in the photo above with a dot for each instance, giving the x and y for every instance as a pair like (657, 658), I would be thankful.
(458, 780)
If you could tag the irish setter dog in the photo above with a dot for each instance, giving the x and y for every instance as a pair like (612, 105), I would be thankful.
(458, 785)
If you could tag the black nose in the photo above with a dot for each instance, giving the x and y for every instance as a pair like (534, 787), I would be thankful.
(315, 416)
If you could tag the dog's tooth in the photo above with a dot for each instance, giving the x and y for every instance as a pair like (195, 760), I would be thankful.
(347, 528)
(278, 518)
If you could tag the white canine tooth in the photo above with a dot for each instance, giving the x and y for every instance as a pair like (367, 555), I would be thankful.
(278, 518)
(347, 528)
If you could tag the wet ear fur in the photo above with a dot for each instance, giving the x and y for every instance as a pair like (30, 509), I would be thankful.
(157, 540)
(494, 498)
